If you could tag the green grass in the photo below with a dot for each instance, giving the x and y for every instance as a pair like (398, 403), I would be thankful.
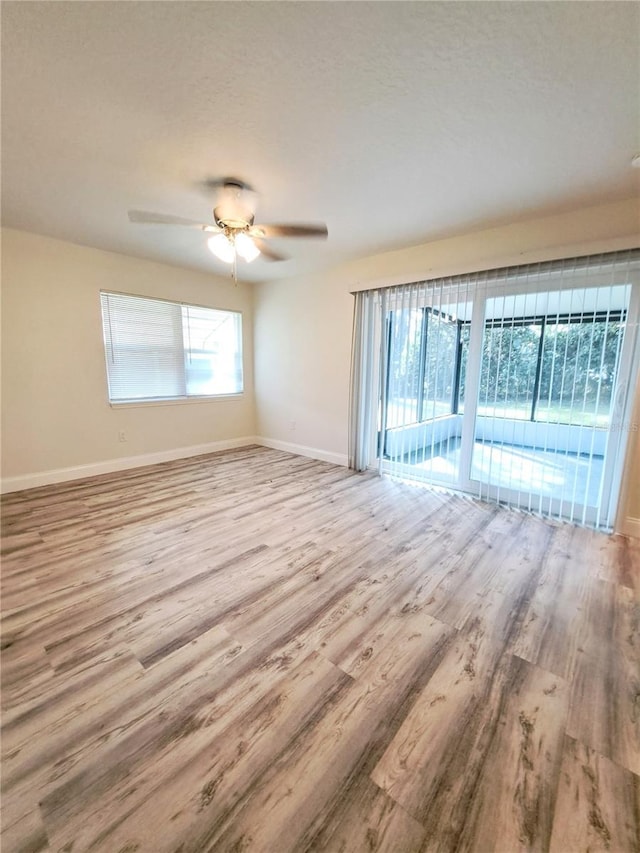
(545, 413)
(404, 412)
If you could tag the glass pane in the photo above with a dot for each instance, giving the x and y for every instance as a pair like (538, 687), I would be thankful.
(507, 379)
(423, 434)
(405, 344)
(579, 364)
(213, 351)
(549, 450)
(440, 366)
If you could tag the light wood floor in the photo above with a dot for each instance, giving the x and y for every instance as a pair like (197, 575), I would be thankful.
(253, 651)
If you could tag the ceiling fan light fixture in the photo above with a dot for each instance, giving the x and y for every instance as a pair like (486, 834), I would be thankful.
(234, 233)
(246, 248)
(222, 248)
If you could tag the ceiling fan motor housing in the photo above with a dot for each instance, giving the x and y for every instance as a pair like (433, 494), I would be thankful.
(234, 209)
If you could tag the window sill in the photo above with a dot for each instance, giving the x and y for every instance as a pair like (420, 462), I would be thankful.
(143, 404)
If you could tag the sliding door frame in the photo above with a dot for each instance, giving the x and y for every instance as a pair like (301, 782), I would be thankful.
(509, 284)
(604, 514)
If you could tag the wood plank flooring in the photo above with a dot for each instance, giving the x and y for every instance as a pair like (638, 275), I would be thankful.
(253, 652)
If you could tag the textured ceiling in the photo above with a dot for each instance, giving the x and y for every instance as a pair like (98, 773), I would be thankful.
(395, 123)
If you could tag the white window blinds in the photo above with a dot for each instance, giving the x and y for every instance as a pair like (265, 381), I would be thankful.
(159, 350)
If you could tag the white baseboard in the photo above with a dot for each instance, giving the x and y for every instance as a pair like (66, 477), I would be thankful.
(123, 463)
(78, 472)
(630, 527)
(303, 450)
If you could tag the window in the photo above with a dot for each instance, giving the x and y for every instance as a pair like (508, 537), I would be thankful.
(159, 350)
(404, 336)
(440, 364)
(578, 367)
(511, 350)
(554, 369)
(423, 349)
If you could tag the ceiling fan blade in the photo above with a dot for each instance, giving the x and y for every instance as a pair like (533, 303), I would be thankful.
(145, 217)
(267, 252)
(317, 229)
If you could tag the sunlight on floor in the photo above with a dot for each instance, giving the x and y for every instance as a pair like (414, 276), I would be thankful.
(573, 478)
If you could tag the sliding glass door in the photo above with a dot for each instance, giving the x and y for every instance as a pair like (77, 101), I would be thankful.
(513, 388)
(425, 368)
(550, 364)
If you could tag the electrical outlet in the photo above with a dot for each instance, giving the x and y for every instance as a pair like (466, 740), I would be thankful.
(122, 436)
(292, 425)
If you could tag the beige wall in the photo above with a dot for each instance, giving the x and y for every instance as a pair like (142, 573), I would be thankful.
(587, 231)
(55, 410)
(303, 325)
(303, 351)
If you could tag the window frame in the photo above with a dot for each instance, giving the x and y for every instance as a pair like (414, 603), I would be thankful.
(616, 315)
(426, 312)
(174, 400)
(544, 320)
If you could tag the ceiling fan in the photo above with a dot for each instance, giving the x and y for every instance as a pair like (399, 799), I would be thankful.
(234, 232)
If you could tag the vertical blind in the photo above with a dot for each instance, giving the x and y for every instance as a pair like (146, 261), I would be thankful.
(510, 385)
(160, 350)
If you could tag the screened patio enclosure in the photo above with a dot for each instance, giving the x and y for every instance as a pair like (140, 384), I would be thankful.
(511, 385)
